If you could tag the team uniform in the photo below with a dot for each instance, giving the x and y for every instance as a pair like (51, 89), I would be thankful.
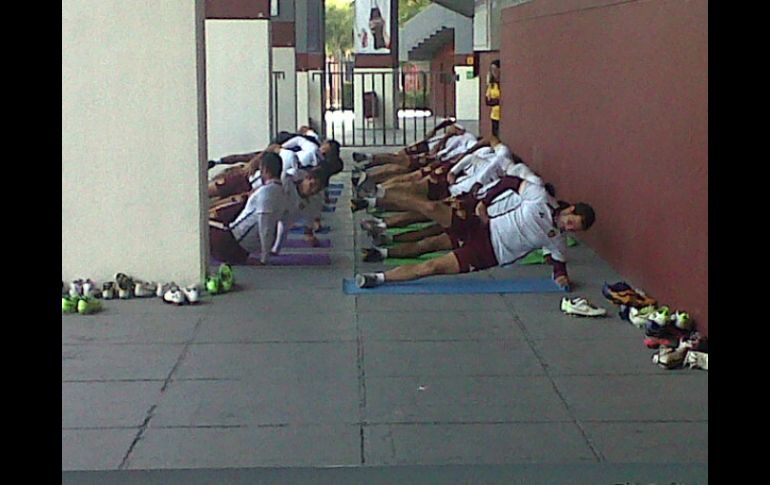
(307, 151)
(519, 223)
(254, 229)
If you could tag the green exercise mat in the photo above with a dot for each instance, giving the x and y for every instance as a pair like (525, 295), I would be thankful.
(411, 227)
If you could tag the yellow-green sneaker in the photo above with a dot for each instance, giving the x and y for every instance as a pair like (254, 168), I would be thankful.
(226, 277)
(69, 304)
(86, 306)
(214, 285)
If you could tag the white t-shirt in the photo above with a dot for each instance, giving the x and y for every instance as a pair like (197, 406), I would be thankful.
(457, 145)
(255, 227)
(290, 161)
(520, 223)
(309, 154)
(484, 167)
(297, 207)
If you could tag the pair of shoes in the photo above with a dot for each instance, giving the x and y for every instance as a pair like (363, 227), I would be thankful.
(580, 307)
(640, 316)
(90, 289)
(180, 295)
(373, 226)
(221, 282)
(621, 293)
(373, 255)
(367, 280)
(80, 304)
(125, 285)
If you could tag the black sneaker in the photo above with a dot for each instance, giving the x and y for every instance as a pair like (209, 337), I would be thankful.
(372, 255)
(358, 204)
(366, 280)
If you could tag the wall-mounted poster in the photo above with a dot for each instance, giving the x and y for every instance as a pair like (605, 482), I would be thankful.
(372, 26)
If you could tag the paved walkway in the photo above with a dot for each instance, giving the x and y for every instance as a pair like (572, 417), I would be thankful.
(290, 372)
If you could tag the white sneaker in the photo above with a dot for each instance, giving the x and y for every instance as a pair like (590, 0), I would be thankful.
(174, 295)
(366, 280)
(660, 316)
(143, 289)
(697, 360)
(681, 320)
(76, 288)
(581, 307)
(669, 358)
(191, 293)
(640, 316)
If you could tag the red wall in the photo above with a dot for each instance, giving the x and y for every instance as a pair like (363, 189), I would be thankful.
(442, 67)
(485, 59)
(609, 101)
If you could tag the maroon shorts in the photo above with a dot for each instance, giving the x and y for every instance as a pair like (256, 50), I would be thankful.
(472, 242)
(232, 182)
(225, 248)
(416, 162)
(440, 188)
(421, 147)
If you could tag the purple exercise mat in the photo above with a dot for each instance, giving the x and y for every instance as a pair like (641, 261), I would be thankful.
(317, 259)
(301, 243)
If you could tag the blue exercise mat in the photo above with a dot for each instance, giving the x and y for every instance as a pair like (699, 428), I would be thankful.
(442, 285)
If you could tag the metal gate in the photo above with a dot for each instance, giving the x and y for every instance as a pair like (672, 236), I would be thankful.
(390, 107)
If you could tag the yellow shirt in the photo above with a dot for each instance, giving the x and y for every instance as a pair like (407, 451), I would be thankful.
(493, 92)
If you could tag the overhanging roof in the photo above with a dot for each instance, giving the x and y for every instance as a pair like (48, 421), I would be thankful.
(464, 7)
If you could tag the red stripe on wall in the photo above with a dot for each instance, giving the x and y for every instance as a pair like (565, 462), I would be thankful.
(282, 34)
(609, 101)
(237, 9)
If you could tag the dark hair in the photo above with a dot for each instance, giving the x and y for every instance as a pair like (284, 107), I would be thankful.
(516, 159)
(550, 189)
(322, 174)
(496, 62)
(282, 137)
(335, 146)
(586, 212)
(272, 162)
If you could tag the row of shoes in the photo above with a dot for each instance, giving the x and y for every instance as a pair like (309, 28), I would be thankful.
(671, 333)
(80, 304)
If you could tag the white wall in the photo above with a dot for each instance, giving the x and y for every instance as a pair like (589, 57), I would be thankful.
(309, 97)
(238, 82)
(286, 88)
(133, 116)
(466, 94)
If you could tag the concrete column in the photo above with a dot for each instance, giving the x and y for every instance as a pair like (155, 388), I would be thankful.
(133, 140)
(238, 86)
(466, 94)
(285, 89)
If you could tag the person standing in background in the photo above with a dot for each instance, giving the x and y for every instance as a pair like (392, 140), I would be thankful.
(493, 95)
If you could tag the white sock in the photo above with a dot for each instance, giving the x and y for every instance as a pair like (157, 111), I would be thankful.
(381, 223)
(372, 201)
(380, 192)
(380, 278)
(383, 251)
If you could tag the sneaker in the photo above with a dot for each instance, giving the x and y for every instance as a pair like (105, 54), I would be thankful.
(681, 320)
(214, 285)
(624, 311)
(144, 289)
(372, 255)
(660, 317)
(162, 288)
(640, 316)
(175, 296)
(69, 304)
(125, 286)
(108, 290)
(76, 288)
(622, 294)
(366, 280)
(581, 307)
(358, 204)
(657, 342)
(87, 306)
(609, 289)
(373, 226)
(191, 293)
(90, 289)
(226, 277)
(359, 157)
(669, 358)
(697, 360)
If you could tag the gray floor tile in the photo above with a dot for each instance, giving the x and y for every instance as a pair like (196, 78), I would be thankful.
(271, 361)
(476, 443)
(651, 442)
(107, 404)
(142, 328)
(248, 402)
(438, 303)
(459, 358)
(277, 327)
(303, 300)
(427, 325)
(95, 449)
(601, 356)
(662, 397)
(116, 362)
(331, 445)
(462, 400)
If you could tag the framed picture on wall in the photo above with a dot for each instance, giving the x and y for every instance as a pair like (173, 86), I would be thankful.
(372, 35)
